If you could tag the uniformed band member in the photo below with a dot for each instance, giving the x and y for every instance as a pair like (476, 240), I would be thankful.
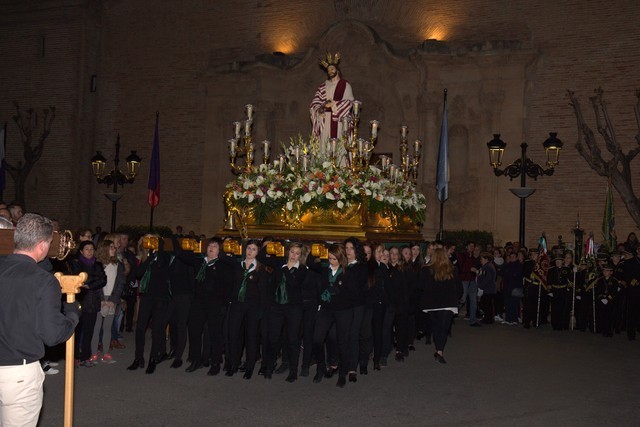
(559, 292)
(632, 278)
(606, 289)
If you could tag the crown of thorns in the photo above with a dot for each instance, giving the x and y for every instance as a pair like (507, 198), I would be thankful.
(330, 59)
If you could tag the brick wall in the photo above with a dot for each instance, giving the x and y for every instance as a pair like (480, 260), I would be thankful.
(154, 56)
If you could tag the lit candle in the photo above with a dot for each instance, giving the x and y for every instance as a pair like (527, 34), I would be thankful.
(247, 127)
(416, 146)
(305, 160)
(334, 142)
(404, 130)
(237, 127)
(276, 163)
(232, 147)
(266, 148)
(281, 164)
(374, 128)
(297, 154)
(249, 109)
(356, 108)
(392, 171)
(360, 146)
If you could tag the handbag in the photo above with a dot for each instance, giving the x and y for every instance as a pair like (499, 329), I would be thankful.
(517, 292)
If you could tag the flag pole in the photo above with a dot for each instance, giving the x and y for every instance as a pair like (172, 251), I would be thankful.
(154, 164)
(442, 178)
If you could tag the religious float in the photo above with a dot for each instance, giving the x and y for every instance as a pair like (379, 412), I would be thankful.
(323, 191)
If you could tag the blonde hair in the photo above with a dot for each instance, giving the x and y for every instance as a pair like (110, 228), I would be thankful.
(440, 265)
(102, 253)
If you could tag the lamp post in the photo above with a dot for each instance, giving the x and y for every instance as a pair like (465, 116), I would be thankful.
(115, 178)
(522, 168)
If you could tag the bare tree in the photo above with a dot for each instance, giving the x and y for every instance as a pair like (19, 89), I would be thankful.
(618, 167)
(27, 122)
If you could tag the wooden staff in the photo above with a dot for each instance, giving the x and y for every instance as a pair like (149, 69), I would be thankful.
(70, 286)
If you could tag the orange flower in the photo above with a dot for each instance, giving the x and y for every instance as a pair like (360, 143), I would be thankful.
(325, 188)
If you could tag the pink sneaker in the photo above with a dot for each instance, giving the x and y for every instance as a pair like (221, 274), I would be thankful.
(107, 358)
(94, 358)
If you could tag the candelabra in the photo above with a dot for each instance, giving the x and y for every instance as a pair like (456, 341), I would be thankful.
(408, 169)
(245, 149)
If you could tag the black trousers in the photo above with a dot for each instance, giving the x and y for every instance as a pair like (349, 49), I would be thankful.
(633, 312)
(340, 322)
(178, 316)
(244, 324)
(440, 324)
(210, 313)
(354, 337)
(155, 310)
(486, 304)
(377, 323)
(289, 315)
(87, 322)
(366, 337)
(130, 311)
(560, 309)
(387, 330)
(401, 324)
(309, 311)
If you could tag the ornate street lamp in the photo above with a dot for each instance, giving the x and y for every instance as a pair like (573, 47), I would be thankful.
(115, 177)
(523, 167)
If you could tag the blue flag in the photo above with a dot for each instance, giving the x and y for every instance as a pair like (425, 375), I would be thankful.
(442, 178)
(153, 197)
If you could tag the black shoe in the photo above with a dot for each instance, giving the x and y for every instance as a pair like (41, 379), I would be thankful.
(230, 372)
(242, 367)
(353, 377)
(304, 371)
(412, 347)
(247, 375)
(342, 381)
(331, 372)
(137, 363)
(206, 363)
(161, 358)
(262, 370)
(151, 368)
(171, 354)
(364, 370)
(267, 375)
(419, 335)
(319, 374)
(284, 367)
(214, 370)
(440, 358)
(399, 357)
(376, 366)
(176, 363)
(292, 377)
(193, 367)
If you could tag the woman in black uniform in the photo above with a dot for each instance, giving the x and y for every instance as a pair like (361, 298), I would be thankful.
(356, 277)
(286, 307)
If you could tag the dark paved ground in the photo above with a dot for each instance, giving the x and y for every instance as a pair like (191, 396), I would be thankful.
(496, 376)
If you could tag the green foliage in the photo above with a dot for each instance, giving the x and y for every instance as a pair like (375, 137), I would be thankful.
(460, 237)
(140, 230)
